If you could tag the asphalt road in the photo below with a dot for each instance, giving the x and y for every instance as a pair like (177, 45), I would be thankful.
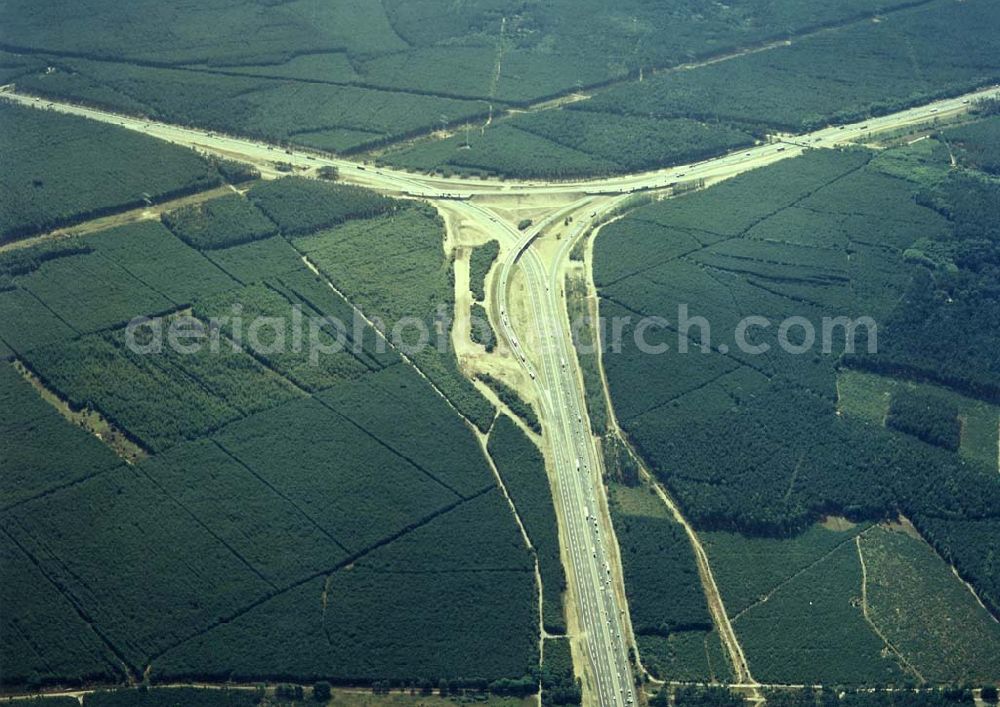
(397, 181)
(552, 366)
(550, 361)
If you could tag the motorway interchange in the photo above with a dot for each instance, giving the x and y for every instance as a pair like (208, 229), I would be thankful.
(544, 349)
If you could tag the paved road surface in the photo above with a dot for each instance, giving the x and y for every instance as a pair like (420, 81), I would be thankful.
(551, 363)
(552, 366)
(451, 187)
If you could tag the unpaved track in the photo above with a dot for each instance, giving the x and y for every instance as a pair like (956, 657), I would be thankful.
(551, 363)
(143, 213)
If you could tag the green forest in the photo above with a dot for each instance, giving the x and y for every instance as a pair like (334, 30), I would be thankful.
(60, 170)
(825, 234)
(238, 448)
(409, 558)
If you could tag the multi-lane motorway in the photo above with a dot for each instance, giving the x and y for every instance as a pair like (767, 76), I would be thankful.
(431, 186)
(551, 364)
(544, 347)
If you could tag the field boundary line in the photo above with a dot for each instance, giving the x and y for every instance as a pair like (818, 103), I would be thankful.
(713, 596)
(350, 559)
(483, 440)
(906, 664)
(73, 602)
(267, 484)
(406, 359)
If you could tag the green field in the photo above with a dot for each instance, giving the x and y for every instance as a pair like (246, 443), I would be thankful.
(977, 143)
(686, 656)
(219, 223)
(385, 571)
(480, 262)
(867, 395)
(41, 450)
(510, 397)
(676, 117)
(393, 267)
(559, 684)
(567, 143)
(837, 76)
(269, 695)
(522, 469)
(661, 578)
(362, 622)
(926, 612)
(807, 625)
(319, 491)
(796, 606)
(63, 170)
(362, 76)
(667, 605)
(754, 442)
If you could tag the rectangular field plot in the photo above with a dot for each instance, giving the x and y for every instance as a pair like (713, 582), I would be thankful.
(299, 205)
(926, 611)
(269, 531)
(145, 572)
(479, 534)
(90, 292)
(39, 449)
(157, 258)
(688, 656)
(26, 323)
(314, 292)
(161, 397)
(43, 632)
(344, 479)
(867, 396)
(796, 607)
(812, 629)
(227, 221)
(404, 412)
(747, 569)
(255, 261)
(423, 606)
(319, 361)
(503, 149)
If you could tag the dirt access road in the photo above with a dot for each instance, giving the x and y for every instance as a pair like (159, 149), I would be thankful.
(541, 340)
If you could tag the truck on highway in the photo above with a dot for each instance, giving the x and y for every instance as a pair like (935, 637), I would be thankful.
(578, 463)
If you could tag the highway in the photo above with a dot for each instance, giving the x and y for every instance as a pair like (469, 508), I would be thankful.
(573, 451)
(430, 186)
(544, 347)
